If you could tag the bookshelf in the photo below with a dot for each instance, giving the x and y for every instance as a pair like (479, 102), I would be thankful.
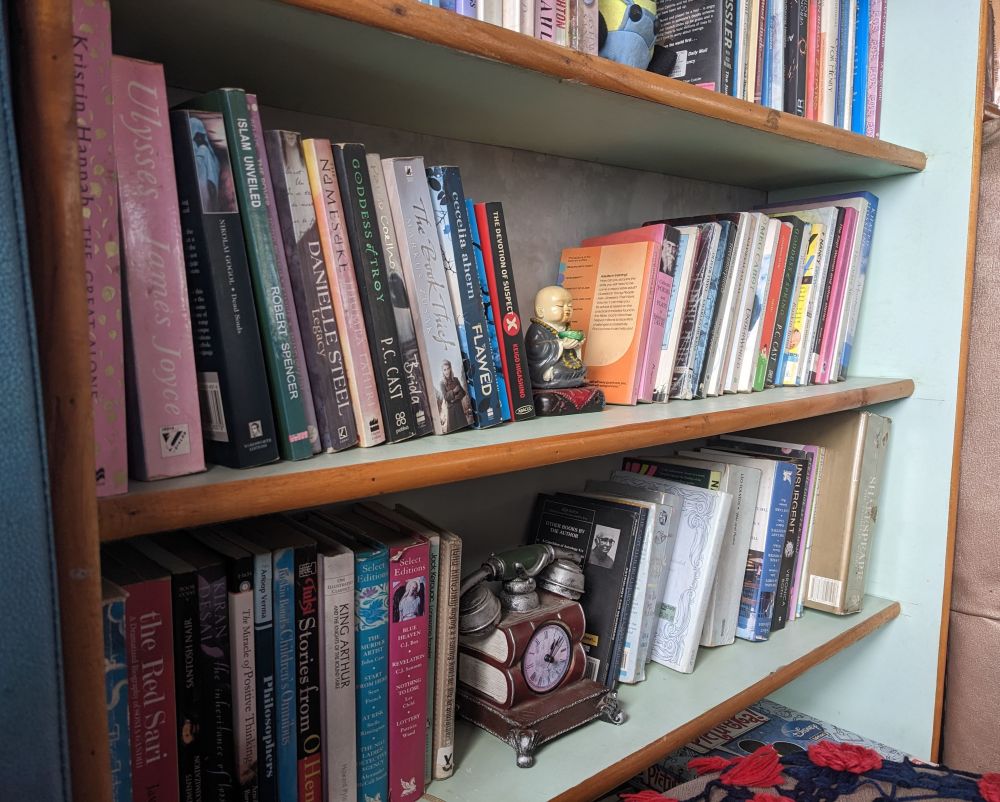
(416, 79)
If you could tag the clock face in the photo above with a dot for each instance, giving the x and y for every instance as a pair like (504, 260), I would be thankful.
(547, 658)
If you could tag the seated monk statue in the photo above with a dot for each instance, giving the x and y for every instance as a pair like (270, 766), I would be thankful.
(554, 351)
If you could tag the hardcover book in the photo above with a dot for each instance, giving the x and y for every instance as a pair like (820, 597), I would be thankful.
(703, 516)
(162, 391)
(651, 576)
(452, 216)
(116, 688)
(274, 226)
(424, 269)
(654, 315)
(607, 536)
(99, 197)
(500, 277)
(344, 285)
(702, 36)
(409, 574)
(215, 720)
(151, 696)
(371, 613)
(263, 638)
(239, 584)
(236, 412)
(272, 315)
(186, 643)
(611, 289)
(446, 647)
(307, 269)
(420, 399)
(373, 282)
(855, 445)
(503, 397)
(767, 541)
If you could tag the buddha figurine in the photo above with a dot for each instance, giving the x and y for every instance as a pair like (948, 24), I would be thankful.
(558, 375)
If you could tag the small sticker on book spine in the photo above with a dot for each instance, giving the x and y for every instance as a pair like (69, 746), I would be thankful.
(823, 590)
(174, 440)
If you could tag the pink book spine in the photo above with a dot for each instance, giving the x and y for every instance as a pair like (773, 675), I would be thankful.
(409, 573)
(876, 53)
(654, 332)
(347, 300)
(99, 196)
(164, 417)
(835, 303)
(151, 701)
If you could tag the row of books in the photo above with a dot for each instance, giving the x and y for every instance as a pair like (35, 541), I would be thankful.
(731, 540)
(274, 295)
(286, 658)
(819, 59)
(701, 306)
(570, 23)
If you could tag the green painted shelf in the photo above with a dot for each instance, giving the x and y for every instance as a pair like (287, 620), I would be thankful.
(665, 712)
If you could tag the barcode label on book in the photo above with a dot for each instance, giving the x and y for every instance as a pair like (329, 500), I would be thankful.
(824, 591)
(213, 419)
(593, 666)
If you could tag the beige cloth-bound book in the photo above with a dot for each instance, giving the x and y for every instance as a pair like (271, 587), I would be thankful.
(846, 505)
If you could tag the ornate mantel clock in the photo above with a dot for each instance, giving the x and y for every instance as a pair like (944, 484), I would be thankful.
(521, 663)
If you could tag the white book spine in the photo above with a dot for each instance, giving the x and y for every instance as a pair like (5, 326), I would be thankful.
(753, 31)
(675, 315)
(752, 346)
(492, 11)
(510, 14)
(337, 680)
(244, 684)
(848, 65)
(715, 361)
(744, 307)
(743, 485)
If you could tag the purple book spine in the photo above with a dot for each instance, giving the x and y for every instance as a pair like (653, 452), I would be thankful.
(286, 286)
(876, 53)
(467, 8)
(99, 196)
(163, 414)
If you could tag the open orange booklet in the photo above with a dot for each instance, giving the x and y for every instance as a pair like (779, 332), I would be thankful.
(610, 286)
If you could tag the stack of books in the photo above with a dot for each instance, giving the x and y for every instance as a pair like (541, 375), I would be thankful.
(819, 59)
(270, 296)
(730, 303)
(296, 658)
(730, 540)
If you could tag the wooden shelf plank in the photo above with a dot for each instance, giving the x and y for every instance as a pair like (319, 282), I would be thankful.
(402, 64)
(222, 494)
(665, 712)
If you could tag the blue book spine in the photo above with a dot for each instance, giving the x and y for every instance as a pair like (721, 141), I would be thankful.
(708, 316)
(859, 102)
(284, 664)
(761, 584)
(371, 611)
(467, 8)
(448, 5)
(765, 84)
(263, 620)
(844, 22)
(491, 331)
(451, 214)
(734, 89)
(116, 693)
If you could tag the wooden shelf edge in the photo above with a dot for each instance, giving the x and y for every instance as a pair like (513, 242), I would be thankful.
(627, 768)
(174, 508)
(418, 21)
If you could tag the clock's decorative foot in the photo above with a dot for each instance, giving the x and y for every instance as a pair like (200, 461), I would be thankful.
(524, 741)
(610, 709)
